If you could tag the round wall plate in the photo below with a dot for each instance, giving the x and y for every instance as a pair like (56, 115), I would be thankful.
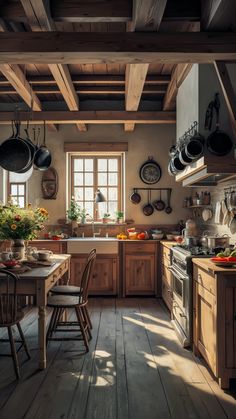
(150, 172)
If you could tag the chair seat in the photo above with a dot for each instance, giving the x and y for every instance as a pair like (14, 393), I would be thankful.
(66, 290)
(10, 322)
(63, 301)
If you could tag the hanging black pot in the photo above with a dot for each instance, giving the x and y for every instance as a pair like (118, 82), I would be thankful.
(176, 164)
(43, 157)
(32, 148)
(14, 153)
(218, 142)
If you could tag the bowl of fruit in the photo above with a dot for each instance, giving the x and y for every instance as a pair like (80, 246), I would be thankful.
(225, 258)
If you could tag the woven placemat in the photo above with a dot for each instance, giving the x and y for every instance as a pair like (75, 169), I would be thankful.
(18, 269)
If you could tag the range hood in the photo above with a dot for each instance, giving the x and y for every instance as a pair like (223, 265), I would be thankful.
(209, 170)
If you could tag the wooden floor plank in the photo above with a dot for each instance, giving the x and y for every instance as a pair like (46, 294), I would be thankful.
(136, 369)
(103, 378)
(187, 397)
(145, 391)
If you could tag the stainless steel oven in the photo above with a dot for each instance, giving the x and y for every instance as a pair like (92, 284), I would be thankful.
(179, 283)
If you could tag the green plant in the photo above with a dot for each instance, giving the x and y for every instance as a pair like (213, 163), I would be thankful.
(119, 214)
(106, 215)
(74, 211)
(21, 223)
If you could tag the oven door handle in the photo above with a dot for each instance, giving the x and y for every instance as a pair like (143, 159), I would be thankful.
(176, 273)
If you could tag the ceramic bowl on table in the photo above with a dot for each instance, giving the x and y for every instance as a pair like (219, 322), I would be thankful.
(157, 236)
(43, 255)
(170, 237)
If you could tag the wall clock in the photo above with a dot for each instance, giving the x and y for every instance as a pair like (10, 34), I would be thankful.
(150, 171)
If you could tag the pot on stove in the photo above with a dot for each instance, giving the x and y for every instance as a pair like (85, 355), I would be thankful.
(191, 241)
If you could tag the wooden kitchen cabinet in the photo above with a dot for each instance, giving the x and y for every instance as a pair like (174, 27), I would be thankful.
(139, 268)
(105, 275)
(214, 318)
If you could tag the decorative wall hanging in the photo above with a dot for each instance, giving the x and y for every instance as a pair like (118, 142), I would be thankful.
(150, 171)
(49, 184)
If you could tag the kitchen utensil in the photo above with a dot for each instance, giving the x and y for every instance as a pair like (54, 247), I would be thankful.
(172, 150)
(176, 165)
(218, 142)
(43, 157)
(135, 197)
(218, 212)
(14, 152)
(148, 208)
(217, 241)
(168, 208)
(159, 205)
(170, 169)
(32, 152)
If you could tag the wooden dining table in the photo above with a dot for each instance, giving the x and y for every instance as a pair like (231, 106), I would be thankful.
(38, 282)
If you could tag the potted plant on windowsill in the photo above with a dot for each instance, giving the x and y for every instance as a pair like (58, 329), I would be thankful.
(73, 213)
(119, 217)
(106, 218)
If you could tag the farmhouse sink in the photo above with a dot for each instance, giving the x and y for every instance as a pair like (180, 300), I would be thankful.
(103, 245)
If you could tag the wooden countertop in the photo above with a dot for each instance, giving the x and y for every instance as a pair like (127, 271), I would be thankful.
(168, 243)
(212, 268)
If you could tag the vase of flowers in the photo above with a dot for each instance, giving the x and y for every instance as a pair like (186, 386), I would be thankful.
(20, 224)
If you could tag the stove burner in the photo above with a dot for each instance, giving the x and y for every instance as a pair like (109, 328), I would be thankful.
(194, 251)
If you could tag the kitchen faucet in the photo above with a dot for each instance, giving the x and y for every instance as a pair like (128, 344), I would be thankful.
(93, 230)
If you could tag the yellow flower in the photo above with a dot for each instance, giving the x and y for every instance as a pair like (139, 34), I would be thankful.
(13, 226)
(43, 212)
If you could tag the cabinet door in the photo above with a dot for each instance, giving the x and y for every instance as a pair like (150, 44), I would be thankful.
(140, 274)
(230, 327)
(104, 279)
(205, 324)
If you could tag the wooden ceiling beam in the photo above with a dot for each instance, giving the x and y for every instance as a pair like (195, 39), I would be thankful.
(107, 47)
(179, 75)
(135, 75)
(96, 79)
(108, 11)
(147, 15)
(92, 117)
(86, 90)
(38, 14)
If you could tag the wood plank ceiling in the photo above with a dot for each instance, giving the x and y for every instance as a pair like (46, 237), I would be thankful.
(127, 88)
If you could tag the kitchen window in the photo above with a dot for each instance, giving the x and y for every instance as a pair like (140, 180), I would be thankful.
(90, 173)
(17, 191)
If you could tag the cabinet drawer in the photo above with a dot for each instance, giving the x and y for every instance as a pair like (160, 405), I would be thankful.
(167, 274)
(52, 280)
(131, 248)
(167, 294)
(204, 279)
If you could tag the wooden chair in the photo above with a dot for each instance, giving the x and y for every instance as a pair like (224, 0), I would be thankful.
(78, 302)
(75, 291)
(11, 316)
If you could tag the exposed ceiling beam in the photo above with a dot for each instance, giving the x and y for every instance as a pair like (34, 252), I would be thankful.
(106, 79)
(17, 79)
(228, 91)
(147, 15)
(218, 15)
(135, 75)
(92, 117)
(179, 74)
(107, 11)
(38, 14)
(86, 90)
(107, 47)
